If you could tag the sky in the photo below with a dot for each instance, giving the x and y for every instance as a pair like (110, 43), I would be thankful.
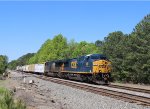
(26, 25)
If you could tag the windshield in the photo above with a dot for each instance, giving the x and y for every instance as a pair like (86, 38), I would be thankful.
(103, 57)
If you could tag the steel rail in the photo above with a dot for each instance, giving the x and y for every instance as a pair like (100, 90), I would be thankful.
(141, 100)
(130, 88)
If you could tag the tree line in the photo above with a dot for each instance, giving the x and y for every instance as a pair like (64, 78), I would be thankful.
(23, 60)
(129, 53)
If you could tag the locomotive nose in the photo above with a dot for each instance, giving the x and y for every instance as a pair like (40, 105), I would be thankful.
(102, 66)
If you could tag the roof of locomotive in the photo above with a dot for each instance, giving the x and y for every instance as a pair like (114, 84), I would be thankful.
(95, 55)
(59, 61)
(66, 60)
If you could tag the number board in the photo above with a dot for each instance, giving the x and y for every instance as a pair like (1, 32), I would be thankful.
(74, 64)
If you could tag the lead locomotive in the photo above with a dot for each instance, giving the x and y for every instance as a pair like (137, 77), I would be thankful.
(93, 67)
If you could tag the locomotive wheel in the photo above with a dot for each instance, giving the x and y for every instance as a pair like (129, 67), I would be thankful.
(55, 74)
(60, 75)
(80, 78)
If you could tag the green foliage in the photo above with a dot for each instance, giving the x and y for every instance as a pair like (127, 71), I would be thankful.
(59, 48)
(7, 101)
(112, 48)
(23, 60)
(51, 50)
(69, 52)
(3, 63)
(83, 48)
(13, 64)
(130, 54)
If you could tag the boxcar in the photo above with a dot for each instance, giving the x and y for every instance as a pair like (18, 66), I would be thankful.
(39, 68)
(31, 68)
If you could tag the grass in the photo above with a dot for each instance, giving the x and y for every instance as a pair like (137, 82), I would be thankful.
(7, 101)
(2, 90)
(3, 83)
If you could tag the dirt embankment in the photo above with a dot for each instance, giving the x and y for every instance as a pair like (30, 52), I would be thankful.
(28, 92)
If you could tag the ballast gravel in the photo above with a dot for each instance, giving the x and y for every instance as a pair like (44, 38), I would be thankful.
(64, 97)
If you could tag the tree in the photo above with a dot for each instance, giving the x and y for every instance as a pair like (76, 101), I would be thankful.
(58, 48)
(23, 60)
(140, 39)
(113, 48)
(84, 48)
(54, 49)
(71, 47)
(3, 63)
(13, 64)
(129, 54)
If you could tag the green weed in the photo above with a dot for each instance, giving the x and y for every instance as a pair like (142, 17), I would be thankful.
(7, 101)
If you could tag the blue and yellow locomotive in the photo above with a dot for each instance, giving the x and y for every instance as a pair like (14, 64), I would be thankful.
(93, 67)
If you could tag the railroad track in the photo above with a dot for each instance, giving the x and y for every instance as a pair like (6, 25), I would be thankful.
(130, 88)
(141, 100)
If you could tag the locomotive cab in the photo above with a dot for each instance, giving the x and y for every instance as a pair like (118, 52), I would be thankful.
(97, 65)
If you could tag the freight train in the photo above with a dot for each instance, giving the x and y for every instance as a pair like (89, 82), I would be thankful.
(90, 68)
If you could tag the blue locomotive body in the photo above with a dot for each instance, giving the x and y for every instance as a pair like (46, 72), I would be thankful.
(89, 67)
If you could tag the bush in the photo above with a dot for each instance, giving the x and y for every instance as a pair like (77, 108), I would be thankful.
(7, 101)
(3, 63)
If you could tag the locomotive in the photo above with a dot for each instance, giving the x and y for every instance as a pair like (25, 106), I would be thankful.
(90, 68)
